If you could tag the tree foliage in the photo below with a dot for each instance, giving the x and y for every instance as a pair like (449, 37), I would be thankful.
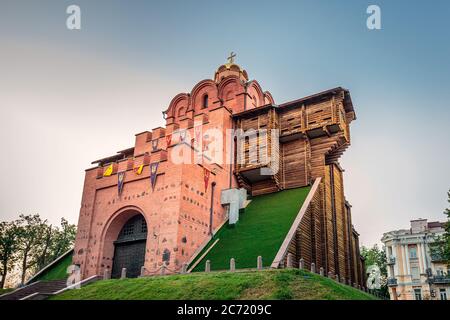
(30, 243)
(377, 256)
(440, 248)
(8, 247)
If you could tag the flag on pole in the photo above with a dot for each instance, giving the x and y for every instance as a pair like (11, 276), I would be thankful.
(108, 171)
(197, 136)
(153, 173)
(206, 174)
(168, 140)
(138, 170)
(120, 181)
(182, 135)
(154, 145)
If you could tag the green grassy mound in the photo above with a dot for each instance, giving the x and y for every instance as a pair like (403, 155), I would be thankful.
(5, 290)
(255, 285)
(57, 271)
(260, 231)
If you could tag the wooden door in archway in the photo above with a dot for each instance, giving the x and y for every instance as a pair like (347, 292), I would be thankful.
(129, 248)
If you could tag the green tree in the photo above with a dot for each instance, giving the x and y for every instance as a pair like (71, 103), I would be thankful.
(440, 248)
(8, 247)
(377, 256)
(54, 243)
(31, 233)
(63, 239)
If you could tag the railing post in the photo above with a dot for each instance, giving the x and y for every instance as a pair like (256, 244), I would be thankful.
(322, 272)
(301, 263)
(142, 271)
(232, 265)
(259, 264)
(313, 267)
(106, 274)
(163, 268)
(289, 262)
(184, 268)
(337, 278)
(123, 274)
(208, 266)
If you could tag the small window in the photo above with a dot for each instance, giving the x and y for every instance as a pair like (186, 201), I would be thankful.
(181, 112)
(205, 101)
(443, 294)
(166, 256)
(412, 252)
(418, 294)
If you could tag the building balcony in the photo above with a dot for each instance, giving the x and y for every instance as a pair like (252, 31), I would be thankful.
(440, 279)
(437, 257)
(392, 282)
(390, 260)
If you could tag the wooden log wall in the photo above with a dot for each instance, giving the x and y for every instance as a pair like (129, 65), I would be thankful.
(313, 137)
(307, 241)
(341, 220)
(349, 250)
(264, 187)
(296, 158)
(292, 120)
(319, 114)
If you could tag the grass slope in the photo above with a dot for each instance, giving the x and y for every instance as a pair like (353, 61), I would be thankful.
(58, 271)
(5, 290)
(260, 231)
(268, 284)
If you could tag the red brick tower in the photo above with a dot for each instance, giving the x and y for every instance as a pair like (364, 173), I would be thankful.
(145, 226)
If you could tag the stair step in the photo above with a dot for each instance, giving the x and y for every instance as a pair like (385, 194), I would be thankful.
(44, 287)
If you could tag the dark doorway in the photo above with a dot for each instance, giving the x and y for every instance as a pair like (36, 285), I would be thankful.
(129, 249)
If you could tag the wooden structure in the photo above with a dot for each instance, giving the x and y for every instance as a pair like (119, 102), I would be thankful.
(310, 135)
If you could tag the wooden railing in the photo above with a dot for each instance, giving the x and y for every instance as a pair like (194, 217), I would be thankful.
(282, 252)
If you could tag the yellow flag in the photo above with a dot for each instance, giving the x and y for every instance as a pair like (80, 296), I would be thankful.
(108, 171)
(139, 169)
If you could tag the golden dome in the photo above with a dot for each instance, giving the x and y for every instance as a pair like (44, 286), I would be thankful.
(230, 68)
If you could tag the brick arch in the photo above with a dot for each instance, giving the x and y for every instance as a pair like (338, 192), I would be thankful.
(180, 100)
(268, 99)
(111, 231)
(230, 84)
(206, 86)
(255, 92)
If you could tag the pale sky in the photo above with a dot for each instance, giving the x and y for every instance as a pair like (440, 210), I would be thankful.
(70, 97)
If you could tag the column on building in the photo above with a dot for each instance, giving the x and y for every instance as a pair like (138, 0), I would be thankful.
(406, 259)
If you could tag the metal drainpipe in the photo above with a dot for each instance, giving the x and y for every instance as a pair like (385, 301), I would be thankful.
(232, 153)
(245, 96)
(425, 252)
(213, 184)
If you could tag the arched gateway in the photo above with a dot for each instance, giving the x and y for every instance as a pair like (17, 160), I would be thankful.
(129, 248)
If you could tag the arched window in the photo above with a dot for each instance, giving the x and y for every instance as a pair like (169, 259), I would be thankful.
(181, 112)
(205, 101)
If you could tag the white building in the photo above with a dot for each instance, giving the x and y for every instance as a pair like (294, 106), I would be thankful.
(413, 274)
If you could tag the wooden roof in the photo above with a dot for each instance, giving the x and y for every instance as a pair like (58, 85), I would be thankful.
(348, 104)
